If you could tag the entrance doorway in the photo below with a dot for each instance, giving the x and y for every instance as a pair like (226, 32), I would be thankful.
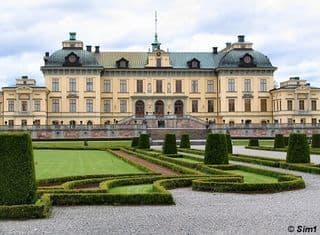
(178, 108)
(139, 108)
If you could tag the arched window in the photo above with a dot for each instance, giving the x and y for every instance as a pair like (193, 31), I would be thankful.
(139, 107)
(178, 108)
(89, 123)
(159, 108)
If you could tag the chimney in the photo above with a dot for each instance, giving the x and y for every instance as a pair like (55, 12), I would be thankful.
(240, 38)
(228, 44)
(46, 57)
(72, 36)
(24, 77)
(97, 49)
(89, 48)
(215, 50)
(47, 54)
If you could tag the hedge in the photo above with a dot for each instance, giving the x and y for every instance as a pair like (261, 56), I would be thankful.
(17, 184)
(255, 160)
(279, 141)
(315, 141)
(135, 142)
(169, 145)
(286, 140)
(216, 151)
(229, 143)
(40, 209)
(185, 141)
(253, 142)
(144, 142)
(298, 149)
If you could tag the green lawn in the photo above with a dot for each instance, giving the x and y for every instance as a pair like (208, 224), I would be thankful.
(60, 163)
(254, 178)
(75, 144)
(140, 188)
(245, 142)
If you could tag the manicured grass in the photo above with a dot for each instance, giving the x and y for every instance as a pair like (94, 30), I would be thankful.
(60, 163)
(76, 144)
(245, 142)
(140, 188)
(254, 178)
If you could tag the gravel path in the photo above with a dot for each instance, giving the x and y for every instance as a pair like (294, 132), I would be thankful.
(194, 213)
(152, 166)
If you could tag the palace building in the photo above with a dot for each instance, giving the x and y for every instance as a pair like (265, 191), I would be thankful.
(88, 86)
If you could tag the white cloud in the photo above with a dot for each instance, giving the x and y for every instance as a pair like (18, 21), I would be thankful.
(286, 31)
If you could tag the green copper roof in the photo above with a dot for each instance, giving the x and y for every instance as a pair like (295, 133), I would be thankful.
(58, 57)
(232, 58)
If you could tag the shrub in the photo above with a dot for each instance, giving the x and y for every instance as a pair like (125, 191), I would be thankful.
(85, 143)
(185, 141)
(144, 142)
(17, 184)
(216, 151)
(298, 149)
(315, 141)
(279, 141)
(253, 142)
(135, 142)
(286, 140)
(229, 143)
(169, 145)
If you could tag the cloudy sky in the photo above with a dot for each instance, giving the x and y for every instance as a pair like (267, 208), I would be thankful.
(287, 31)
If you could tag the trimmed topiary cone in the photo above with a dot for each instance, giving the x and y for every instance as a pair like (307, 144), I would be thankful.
(279, 141)
(185, 141)
(216, 151)
(18, 184)
(253, 142)
(315, 141)
(229, 143)
(135, 142)
(169, 144)
(144, 142)
(298, 149)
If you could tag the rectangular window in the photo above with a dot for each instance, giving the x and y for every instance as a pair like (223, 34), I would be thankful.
(107, 106)
(290, 121)
(89, 105)
(123, 86)
(301, 104)
(231, 85)
(158, 62)
(289, 105)
(263, 105)
(210, 106)
(178, 86)
(11, 122)
(139, 86)
(313, 121)
(89, 84)
(24, 106)
(263, 85)
(159, 86)
(123, 106)
(194, 86)
(231, 105)
(247, 85)
(247, 105)
(313, 105)
(36, 105)
(210, 86)
(55, 84)
(55, 105)
(107, 86)
(72, 105)
(194, 106)
(10, 105)
(24, 122)
(72, 84)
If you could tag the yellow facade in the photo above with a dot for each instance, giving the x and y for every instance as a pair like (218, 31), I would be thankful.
(86, 87)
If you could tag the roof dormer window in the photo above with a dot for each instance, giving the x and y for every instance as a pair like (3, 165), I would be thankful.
(247, 61)
(122, 63)
(194, 64)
